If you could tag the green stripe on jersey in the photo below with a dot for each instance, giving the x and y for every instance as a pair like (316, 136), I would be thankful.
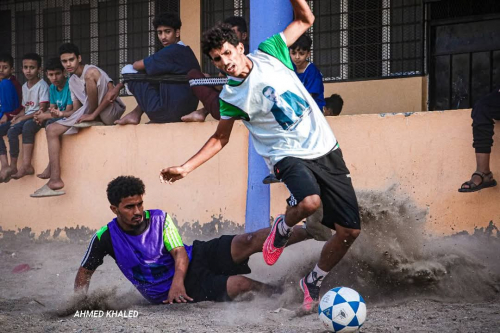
(276, 47)
(171, 237)
(232, 111)
(101, 231)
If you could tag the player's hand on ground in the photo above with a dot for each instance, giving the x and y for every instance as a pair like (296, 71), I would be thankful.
(172, 174)
(177, 294)
(86, 117)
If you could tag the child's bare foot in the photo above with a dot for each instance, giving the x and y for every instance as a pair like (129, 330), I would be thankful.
(23, 171)
(45, 174)
(55, 184)
(6, 173)
(133, 118)
(195, 116)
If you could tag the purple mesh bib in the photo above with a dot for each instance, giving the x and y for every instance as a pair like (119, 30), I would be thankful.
(144, 259)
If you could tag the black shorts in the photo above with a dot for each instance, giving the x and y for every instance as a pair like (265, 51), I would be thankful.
(328, 177)
(210, 267)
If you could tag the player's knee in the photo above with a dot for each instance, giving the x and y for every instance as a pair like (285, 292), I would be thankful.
(351, 235)
(242, 284)
(51, 132)
(310, 204)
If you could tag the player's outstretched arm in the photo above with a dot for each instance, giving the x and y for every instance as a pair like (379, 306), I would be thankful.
(215, 144)
(303, 20)
(82, 280)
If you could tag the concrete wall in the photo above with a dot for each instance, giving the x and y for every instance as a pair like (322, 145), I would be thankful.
(426, 155)
(381, 96)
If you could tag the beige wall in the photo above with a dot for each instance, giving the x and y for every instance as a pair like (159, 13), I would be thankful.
(191, 25)
(427, 155)
(381, 96)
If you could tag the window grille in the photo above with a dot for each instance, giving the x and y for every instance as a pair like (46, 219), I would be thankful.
(449, 9)
(109, 33)
(367, 39)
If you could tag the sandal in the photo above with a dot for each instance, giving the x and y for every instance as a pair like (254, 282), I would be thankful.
(473, 187)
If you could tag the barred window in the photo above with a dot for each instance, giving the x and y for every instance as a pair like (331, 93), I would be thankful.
(214, 11)
(364, 39)
(109, 33)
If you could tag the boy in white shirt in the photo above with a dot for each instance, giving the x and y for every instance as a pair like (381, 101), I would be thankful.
(35, 98)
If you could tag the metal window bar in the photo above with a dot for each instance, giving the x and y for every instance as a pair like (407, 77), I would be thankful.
(367, 39)
(109, 33)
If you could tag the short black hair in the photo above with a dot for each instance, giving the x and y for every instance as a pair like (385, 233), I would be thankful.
(6, 57)
(167, 20)
(215, 37)
(123, 187)
(335, 103)
(304, 43)
(237, 21)
(54, 64)
(69, 48)
(33, 56)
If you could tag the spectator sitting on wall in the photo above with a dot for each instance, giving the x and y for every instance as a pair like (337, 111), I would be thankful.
(308, 73)
(35, 99)
(484, 113)
(158, 263)
(165, 102)
(10, 105)
(209, 95)
(333, 105)
(90, 90)
(59, 96)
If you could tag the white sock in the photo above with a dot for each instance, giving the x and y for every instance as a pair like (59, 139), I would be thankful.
(316, 276)
(283, 229)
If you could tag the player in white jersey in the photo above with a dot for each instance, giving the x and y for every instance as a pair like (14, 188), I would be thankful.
(291, 133)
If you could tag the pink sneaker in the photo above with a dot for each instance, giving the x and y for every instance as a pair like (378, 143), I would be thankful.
(311, 295)
(274, 244)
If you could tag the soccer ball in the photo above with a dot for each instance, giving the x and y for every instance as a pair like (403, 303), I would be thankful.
(342, 309)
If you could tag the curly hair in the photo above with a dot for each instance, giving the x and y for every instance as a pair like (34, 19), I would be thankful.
(123, 187)
(215, 37)
(167, 20)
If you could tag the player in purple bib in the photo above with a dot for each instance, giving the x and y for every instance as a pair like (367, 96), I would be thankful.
(150, 253)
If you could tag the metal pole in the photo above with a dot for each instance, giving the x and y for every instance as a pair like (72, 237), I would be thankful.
(267, 17)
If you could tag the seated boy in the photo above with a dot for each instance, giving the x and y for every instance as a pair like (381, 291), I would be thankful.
(333, 105)
(307, 72)
(89, 86)
(10, 105)
(35, 98)
(60, 99)
(165, 102)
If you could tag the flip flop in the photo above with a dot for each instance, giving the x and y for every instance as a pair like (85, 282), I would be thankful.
(85, 124)
(473, 187)
(46, 191)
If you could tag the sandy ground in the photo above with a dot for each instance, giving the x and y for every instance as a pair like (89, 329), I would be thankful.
(411, 282)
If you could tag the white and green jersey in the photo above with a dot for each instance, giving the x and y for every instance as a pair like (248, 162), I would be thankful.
(282, 117)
